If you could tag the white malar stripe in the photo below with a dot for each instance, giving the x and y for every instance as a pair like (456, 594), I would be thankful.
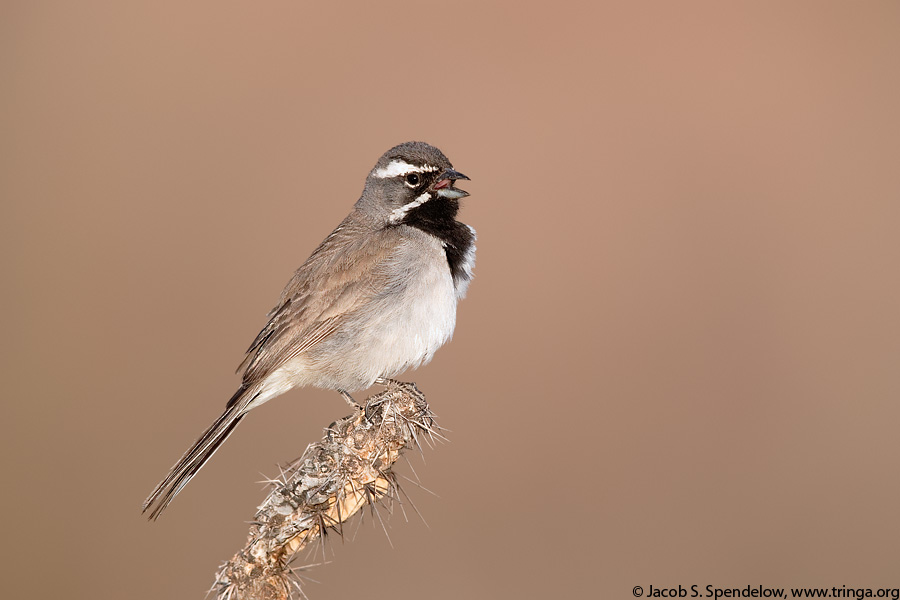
(398, 213)
(397, 168)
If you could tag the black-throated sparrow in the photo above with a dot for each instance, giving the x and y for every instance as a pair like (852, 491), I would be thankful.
(377, 297)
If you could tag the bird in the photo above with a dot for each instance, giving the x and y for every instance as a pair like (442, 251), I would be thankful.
(377, 297)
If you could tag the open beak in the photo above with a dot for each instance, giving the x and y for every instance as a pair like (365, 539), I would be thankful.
(444, 185)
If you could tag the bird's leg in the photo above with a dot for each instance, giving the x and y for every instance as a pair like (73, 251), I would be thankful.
(386, 381)
(350, 400)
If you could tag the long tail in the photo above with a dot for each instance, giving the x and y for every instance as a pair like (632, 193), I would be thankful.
(202, 450)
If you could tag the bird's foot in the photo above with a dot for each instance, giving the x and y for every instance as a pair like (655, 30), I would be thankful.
(349, 399)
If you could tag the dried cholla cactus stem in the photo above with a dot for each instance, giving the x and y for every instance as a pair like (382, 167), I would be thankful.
(332, 481)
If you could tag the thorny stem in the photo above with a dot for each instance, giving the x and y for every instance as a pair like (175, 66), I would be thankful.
(332, 481)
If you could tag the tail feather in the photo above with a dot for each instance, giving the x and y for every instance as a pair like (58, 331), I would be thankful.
(192, 460)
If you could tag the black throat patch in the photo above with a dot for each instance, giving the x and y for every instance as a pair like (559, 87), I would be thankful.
(438, 217)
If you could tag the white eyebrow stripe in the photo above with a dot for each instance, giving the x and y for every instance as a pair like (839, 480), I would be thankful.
(398, 213)
(396, 168)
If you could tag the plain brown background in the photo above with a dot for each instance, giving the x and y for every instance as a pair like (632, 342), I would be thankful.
(677, 364)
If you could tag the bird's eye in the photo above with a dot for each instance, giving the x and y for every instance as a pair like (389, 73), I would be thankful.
(412, 179)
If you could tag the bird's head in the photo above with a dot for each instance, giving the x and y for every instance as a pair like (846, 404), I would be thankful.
(409, 179)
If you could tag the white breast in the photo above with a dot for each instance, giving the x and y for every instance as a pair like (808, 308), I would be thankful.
(403, 327)
(422, 317)
(400, 330)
